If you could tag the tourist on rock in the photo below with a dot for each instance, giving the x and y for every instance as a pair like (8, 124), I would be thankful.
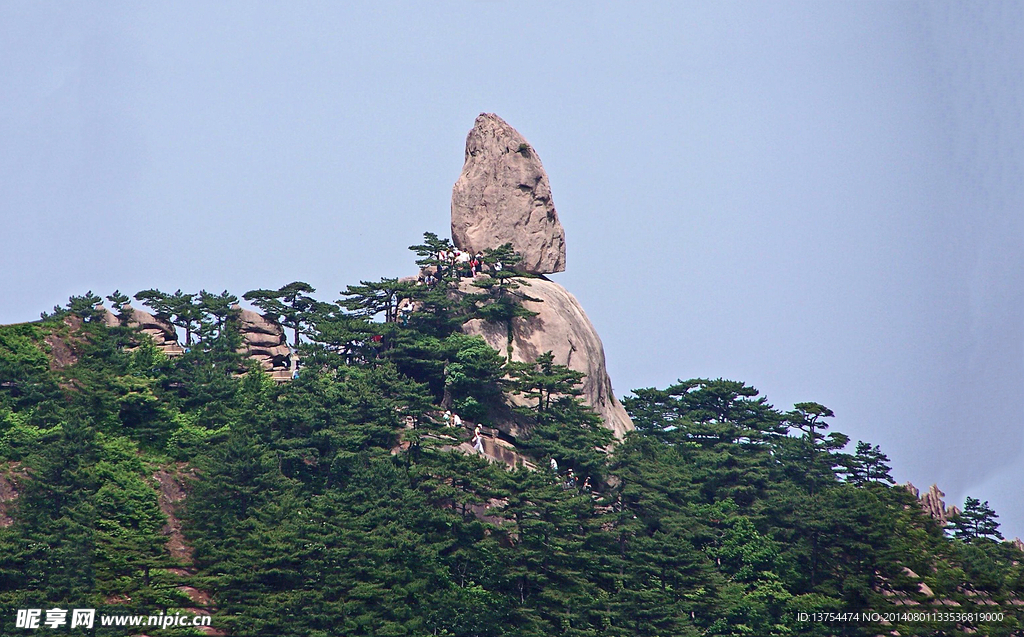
(478, 441)
(462, 261)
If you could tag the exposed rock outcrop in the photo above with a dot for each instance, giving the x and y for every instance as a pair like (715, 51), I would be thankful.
(933, 504)
(264, 341)
(170, 494)
(561, 327)
(495, 449)
(65, 349)
(10, 476)
(503, 196)
(163, 333)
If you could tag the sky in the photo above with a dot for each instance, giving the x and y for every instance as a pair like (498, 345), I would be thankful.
(823, 200)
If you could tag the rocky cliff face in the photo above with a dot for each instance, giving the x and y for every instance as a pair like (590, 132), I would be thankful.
(503, 196)
(561, 327)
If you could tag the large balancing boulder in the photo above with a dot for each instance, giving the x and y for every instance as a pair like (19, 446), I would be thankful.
(503, 196)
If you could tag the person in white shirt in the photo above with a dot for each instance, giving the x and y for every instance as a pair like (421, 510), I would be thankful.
(478, 441)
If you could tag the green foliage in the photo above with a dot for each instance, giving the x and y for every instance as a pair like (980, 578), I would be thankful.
(977, 522)
(289, 305)
(542, 380)
(181, 310)
(431, 255)
(18, 437)
(501, 300)
(118, 300)
(370, 299)
(473, 374)
(189, 439)
(25, 376)
(337, 503)
(869, 464)
(84, 307)
(218, 310)
(87, 523)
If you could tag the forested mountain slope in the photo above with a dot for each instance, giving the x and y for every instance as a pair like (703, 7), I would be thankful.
(340, 502)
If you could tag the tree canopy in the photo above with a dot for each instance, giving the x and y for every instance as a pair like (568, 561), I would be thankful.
(339, 502)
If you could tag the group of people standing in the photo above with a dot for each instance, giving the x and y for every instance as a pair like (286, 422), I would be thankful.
(570, 478)
(453, 420)
(462, 264)
(571, 482)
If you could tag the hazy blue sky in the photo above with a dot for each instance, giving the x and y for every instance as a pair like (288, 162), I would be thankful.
(823, 200)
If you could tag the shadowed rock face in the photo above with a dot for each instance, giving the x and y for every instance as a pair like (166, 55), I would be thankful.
(561, 327)
(503, 196)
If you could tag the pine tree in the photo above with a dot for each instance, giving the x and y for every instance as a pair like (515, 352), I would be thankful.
(432, 255)
(502, 298)
(817, 453)
(977, 522)
(84, 307)
(868, 465)
(217, 310)
(119, 305)
(372, 299)
(724, 428)
(542, 380)
(179, 309)
(337, 339)
(289, 305)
